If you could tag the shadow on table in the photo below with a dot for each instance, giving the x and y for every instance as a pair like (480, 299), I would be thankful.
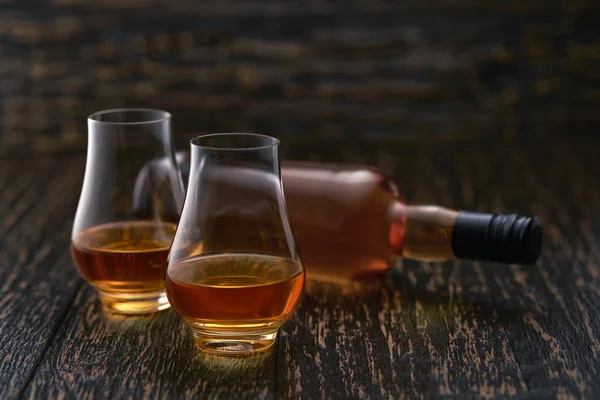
(440, 293)
(172, 359)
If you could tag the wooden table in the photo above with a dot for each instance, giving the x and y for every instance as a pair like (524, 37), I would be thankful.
(426, 330)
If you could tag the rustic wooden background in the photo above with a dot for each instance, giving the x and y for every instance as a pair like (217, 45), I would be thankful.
(456, 68)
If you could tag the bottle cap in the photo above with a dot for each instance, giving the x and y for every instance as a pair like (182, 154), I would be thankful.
(506, 238)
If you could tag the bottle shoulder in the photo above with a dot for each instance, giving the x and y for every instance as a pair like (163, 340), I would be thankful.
(353, 182)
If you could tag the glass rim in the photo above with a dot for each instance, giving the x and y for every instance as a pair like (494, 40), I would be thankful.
(164, 116)
(195, 141)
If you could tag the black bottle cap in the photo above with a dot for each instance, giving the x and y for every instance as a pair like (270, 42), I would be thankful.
(506, 238)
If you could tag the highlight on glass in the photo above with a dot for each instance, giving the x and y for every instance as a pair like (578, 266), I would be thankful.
(234, 273)
(128, 209)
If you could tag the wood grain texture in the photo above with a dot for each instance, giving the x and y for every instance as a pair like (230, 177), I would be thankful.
(426, 330)
(550, 311)
(546, 310)
(399, 340)
(97, 355)
(460, 68)
(36, 285)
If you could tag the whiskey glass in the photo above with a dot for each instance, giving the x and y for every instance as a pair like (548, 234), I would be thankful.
(128, 210)
(234, 273)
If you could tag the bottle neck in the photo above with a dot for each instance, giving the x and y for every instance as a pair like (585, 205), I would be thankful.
(421, 232)
(432, 233)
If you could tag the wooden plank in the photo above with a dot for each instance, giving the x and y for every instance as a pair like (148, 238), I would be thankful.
(14, 181)
(421, 333)
(550, 311)
(35, 286)
(97, 355)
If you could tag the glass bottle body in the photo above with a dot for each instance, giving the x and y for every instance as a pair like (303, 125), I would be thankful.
(339, 214)
(351, 223)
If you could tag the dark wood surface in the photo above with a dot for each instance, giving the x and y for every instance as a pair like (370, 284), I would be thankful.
(456, 329)
(411, 68)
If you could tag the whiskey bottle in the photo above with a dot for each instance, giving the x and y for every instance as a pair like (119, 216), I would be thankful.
(351, 223)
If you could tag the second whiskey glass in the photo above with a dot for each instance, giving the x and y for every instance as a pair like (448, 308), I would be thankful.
(128, 209)
(234, 274)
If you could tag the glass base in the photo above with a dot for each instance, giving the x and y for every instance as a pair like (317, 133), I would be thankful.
(233, 343)
(134, 303)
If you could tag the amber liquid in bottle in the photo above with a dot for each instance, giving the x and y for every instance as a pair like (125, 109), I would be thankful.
(234, 291)
(124, 257)
(339, 216)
